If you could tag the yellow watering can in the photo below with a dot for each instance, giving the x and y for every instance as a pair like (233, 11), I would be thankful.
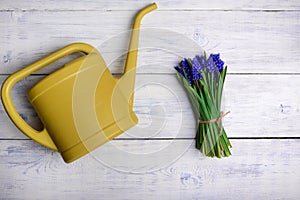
(81, 105)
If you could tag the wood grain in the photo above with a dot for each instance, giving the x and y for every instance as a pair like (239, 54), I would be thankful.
(30, 171)
(250, 42)
(260, 105)
(164, 5)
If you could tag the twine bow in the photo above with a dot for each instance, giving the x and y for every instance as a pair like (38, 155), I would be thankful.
(218, 120)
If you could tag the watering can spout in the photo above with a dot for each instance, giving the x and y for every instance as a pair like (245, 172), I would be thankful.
(133, 46)
(128, 79)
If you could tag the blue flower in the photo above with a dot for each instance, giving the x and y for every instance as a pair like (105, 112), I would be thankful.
(201, 61)
(196, 65)
(179, 70)
(192, 69)
(187, 69)
(218, 62)
(196, 69)
(211, 67)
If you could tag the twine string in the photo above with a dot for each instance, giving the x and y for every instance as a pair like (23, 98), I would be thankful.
(218, 120)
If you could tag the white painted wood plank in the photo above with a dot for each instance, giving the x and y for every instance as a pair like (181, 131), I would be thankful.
(258, 169)
(133, 5)
(260, 105)
(250, 42)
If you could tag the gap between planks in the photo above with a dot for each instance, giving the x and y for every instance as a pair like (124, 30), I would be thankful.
(162, 10)
(163, 139)
(166, 73)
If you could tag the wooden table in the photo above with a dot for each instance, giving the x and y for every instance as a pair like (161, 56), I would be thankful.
(258, 40)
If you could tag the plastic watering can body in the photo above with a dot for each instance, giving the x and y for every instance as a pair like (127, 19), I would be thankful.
(81, 105)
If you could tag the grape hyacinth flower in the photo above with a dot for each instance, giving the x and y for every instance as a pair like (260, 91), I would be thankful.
(196, 69)
(179, 70)
(218, 62)
(187, 69)
(211, 66)
(203, 79)
(201, 60)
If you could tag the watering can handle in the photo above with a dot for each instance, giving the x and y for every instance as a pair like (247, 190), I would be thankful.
(41, 137)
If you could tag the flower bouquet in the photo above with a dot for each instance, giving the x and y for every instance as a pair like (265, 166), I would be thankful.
(203, 79)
